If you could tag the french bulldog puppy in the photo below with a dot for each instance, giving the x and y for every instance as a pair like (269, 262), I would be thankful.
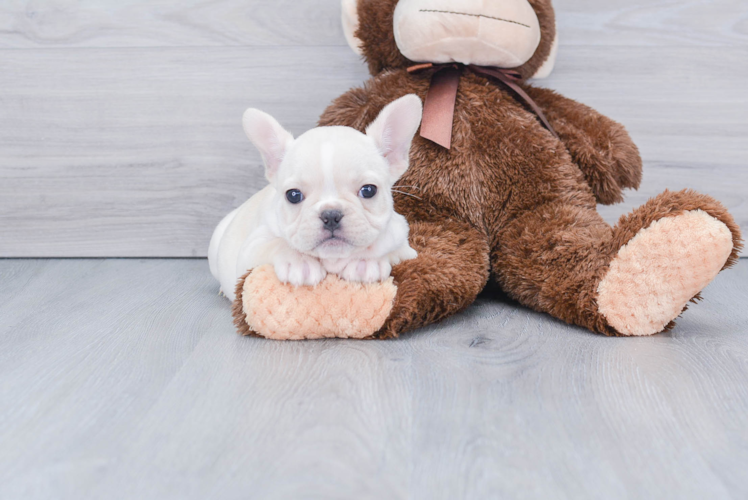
(328, 208)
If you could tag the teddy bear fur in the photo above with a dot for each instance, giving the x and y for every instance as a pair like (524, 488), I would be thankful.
(509, 203)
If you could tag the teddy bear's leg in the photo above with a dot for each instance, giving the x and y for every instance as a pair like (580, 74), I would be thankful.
(451, 269)
(634, 279)
(665, 253)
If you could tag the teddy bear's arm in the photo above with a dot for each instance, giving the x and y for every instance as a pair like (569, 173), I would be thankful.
(600, 146)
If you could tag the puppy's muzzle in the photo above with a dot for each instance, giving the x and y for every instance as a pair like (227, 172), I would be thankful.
(331, 219)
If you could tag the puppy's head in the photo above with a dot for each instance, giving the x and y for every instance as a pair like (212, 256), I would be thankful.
(334, 184)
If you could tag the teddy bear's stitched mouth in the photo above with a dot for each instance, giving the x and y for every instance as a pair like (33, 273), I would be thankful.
(475, 15)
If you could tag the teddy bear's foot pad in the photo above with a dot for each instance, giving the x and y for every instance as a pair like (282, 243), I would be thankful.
(655, 275)
(333, 309)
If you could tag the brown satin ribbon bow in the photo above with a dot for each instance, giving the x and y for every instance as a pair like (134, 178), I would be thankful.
(439, 108)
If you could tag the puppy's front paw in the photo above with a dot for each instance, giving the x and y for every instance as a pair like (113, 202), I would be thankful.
(299, 270)
(367, 271)
(405, 253)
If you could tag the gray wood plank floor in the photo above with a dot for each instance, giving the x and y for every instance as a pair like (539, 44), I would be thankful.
(120, 119)
(125, 379)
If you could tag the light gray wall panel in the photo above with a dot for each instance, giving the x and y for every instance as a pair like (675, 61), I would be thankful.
(170, 23)
(131, 23)
(120, 125)
(652, 22)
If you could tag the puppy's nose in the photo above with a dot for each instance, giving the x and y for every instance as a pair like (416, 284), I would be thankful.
(331, 219)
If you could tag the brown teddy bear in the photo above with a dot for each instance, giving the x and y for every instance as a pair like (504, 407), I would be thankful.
(505, 187)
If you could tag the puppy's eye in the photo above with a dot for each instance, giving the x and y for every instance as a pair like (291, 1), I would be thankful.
(368, 191)
(294, 196)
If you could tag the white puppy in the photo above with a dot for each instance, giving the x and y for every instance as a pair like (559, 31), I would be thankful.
(328, 208)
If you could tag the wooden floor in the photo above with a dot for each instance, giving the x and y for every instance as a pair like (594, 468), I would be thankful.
(125, 379)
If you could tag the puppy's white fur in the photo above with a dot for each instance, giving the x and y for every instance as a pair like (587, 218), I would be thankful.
(329, 165)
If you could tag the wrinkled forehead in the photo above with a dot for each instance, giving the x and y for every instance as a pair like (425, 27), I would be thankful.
(342, 151)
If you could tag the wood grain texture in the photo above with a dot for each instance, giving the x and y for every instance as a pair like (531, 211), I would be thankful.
(120, 133)
(653, 23)
(125, 379)
(169, 23)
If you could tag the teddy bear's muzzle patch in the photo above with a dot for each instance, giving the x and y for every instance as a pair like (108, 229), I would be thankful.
(504, 34)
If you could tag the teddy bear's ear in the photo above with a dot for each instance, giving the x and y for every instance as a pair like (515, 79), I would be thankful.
(350, 24)
(393, 132)
(269, 137)
(547, 67)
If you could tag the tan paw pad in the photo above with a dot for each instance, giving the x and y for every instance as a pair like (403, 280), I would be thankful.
(333, 309)
(660, 270)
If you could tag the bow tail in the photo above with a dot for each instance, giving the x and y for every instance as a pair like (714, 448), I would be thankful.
(439, 106)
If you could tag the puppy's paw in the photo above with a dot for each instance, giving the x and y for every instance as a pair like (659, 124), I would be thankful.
(367, 271)
(299, 270)
(405, 253)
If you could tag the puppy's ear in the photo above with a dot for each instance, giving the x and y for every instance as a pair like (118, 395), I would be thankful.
(393, 132)
(350, 24)
(269, 138)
